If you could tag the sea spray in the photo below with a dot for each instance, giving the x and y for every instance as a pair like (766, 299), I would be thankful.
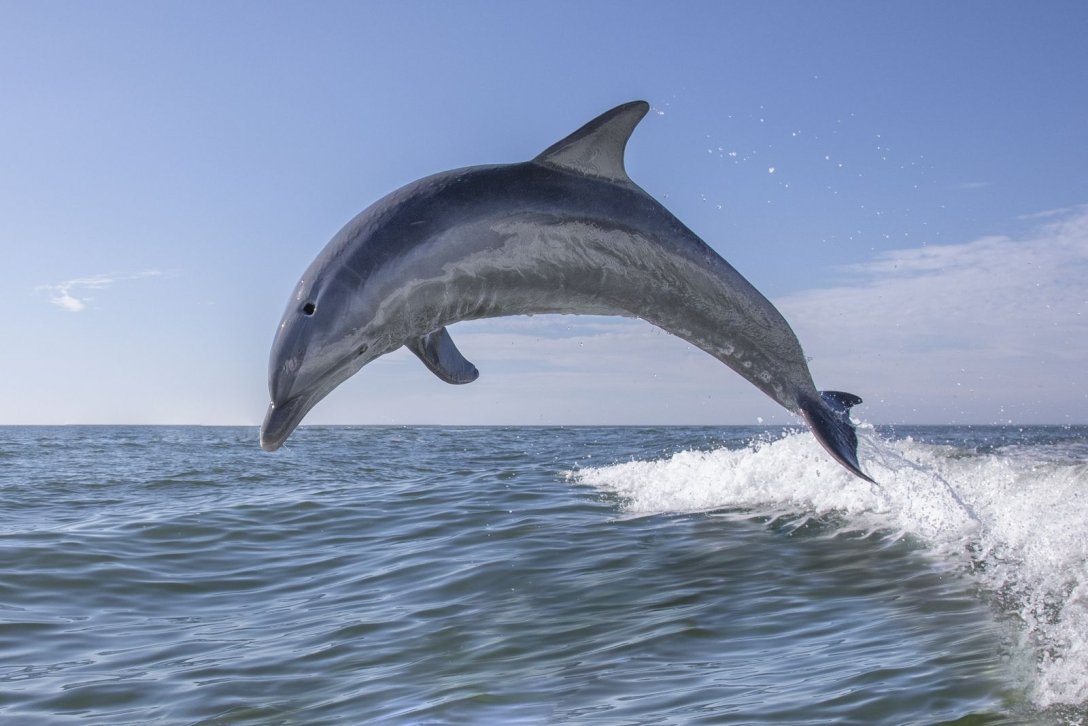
(1008, 517)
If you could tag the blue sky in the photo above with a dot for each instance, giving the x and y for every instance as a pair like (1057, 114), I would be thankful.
(904, 179)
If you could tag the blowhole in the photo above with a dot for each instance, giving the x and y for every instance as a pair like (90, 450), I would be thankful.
(309, 308)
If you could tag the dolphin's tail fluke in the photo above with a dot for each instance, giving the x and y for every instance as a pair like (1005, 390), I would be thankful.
(829, 418)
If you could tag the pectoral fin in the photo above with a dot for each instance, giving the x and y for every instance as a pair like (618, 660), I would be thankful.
(438, 353)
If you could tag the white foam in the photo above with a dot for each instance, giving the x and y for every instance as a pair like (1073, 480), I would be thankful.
(1013, 521)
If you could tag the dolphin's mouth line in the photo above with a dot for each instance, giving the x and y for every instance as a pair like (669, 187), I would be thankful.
(282, 419)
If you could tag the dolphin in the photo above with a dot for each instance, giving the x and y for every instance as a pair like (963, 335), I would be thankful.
(567, 232)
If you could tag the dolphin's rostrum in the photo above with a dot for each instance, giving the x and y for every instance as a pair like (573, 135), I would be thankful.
(567, 232)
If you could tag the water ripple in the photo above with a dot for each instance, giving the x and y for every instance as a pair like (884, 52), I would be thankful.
(454, 576)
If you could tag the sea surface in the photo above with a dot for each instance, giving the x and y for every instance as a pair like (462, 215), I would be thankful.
(737, 575)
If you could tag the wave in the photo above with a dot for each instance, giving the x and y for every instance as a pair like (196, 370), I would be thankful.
(1011, 518)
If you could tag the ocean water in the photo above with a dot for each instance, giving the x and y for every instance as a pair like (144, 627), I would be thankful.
(542, 575)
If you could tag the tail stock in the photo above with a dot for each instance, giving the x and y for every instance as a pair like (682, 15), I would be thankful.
(829, 419)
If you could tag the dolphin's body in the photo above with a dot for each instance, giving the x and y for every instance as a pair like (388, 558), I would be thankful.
(567, 232)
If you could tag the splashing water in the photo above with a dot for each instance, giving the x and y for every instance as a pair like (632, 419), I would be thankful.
(1011, 517)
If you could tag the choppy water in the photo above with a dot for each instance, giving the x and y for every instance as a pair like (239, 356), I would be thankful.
(542, 575)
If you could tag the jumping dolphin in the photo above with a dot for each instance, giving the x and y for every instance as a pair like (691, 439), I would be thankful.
(567, 232)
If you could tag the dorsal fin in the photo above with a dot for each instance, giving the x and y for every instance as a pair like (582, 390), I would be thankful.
(597, 148)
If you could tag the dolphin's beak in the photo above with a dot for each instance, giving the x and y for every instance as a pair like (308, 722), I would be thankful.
(284, 416)
(280, 420)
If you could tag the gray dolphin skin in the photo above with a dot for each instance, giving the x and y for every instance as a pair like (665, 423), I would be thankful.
(567, 232)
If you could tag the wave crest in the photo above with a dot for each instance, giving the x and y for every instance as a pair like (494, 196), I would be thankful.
(1013, 519)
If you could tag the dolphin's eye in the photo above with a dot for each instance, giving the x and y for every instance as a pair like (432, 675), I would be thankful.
(309, 308)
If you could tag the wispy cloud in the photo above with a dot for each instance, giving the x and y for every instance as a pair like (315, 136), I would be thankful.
(994, 329)
(1050, 213)
(73, 295)
(968, 185)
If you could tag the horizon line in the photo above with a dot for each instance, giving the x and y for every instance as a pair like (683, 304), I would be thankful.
(798, 424)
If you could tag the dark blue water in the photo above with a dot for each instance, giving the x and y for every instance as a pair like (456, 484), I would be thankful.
(542, 575)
